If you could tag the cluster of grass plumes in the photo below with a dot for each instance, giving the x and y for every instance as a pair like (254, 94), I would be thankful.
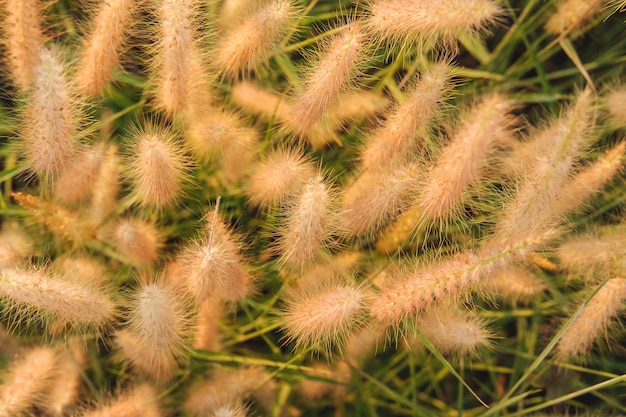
(290, 207)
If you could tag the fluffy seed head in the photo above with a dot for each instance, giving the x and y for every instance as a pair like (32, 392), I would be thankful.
(154, 341)
(24, 38)
(461, 161)
(593, 320)
(328, 77)
(363, 214)
(35, 294)
(452, 331)
(212, 134)
(247, 46)
(138, 240)
(105, 186)
(76, 183)
(323, 317)
(513, 283)
(102, 46)
(403, 131)
(26, 380)
(280, 175)
(156, 168)
(571, 13)
(537, 206)
(178, 57)
(48, 142)
(224, 387)
(309, 224)
(14, 244)
(426, 22)
(140, 401)
(213, 265)
(615, 105)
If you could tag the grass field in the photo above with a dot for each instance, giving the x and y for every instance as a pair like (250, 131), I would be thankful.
(312, 208)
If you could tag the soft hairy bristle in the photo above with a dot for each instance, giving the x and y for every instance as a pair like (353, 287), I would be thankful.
(35, 292)
(139, 401)
(247, 46)
(157, 167)
(213, 264)
(461, 162)
(323, 317)
(139, 240)
(329, 76)
(452, 331)
(308, 226)
(571, 13)
(154, 340)
(25, 381)
(406, 22)
(406, 127)
(594, 319)
(24, 38)
(48, 141)
(102, 46)
(282, 173)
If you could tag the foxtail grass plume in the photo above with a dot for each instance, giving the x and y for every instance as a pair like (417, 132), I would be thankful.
(536, 206)
(138, 401)
(461, 161)
(453, 332)
(157, 167)
(223, 387)
(15, 244)
(213, 133)
(213, 265)
(75, 184)
(178, 59)
(47, 139)
(594, 319)
(248, 45)
(26, 381)
(103, 45)
(281, 174)
(331, 74)
(23, 40)
(407, 126)
(105, 186)
(364, 215)
(428, 22)
(324, 316)
(35, 294)
(67, 380)
(154, 340)
(572, 13)
(615, 104)
(309, 224)
(138, 240)
(513, 283)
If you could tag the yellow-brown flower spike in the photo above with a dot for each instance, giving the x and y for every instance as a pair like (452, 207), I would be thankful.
(26, 380)
(48, 141)
(460, 162)
(138, 240)
(154, 340)
(309, 224)
(327, 78)
(24, 38)
(593, 320)
(427, 22)
(324, 316)
(247, 46)
(156, 168)
(103, 45)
